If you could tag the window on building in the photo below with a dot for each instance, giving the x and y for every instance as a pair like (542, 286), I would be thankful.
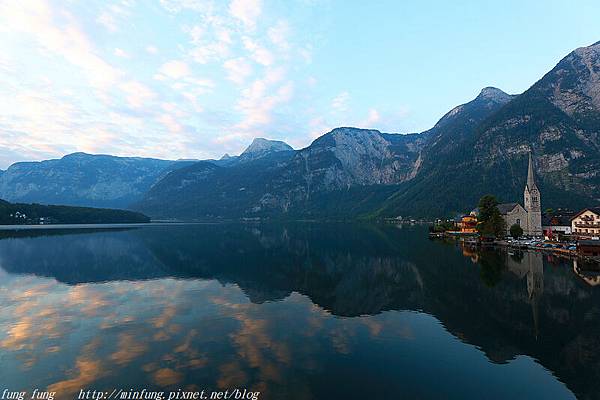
(519, 221)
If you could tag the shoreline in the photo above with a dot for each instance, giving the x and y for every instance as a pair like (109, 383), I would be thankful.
(93, 226)
(471, 240)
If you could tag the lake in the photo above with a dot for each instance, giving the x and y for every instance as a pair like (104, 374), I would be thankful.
(296, 311)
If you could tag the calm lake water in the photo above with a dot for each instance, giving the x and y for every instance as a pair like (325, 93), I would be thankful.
(295, 311)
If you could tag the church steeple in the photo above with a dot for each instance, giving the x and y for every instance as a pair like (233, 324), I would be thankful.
(532, 199)
(530, 175)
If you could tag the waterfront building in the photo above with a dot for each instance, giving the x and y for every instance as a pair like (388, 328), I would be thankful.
(586, 223)
(589, 248)
(557, 223)
(468, 223)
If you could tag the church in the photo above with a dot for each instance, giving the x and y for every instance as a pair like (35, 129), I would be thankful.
(530, 216)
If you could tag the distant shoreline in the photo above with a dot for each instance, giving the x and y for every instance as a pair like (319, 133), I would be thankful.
(92, 226)
(26, 227)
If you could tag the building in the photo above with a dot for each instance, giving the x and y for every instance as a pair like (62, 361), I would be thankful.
(589, 248)
(557, 223)
(529, 218)
(468, 223)
(586, 223)
(513, 214)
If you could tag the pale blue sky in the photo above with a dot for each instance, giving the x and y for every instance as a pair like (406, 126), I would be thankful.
(198, 78)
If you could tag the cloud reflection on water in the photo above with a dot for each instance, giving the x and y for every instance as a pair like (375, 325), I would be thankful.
(248, 325)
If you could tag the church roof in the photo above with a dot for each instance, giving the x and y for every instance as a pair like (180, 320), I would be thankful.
(505, 208)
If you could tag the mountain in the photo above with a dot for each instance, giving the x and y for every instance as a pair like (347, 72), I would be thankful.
(557, 119)
(211, 190)
(84, 179)
(477, 148)
(324, 178)
(346, 172)
(22, 214)
(261, 147)
(480, 147)
(446, 140)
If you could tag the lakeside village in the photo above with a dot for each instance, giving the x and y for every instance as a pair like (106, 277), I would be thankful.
(562, 232)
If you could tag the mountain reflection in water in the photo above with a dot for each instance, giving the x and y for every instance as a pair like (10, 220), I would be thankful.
(294, 311)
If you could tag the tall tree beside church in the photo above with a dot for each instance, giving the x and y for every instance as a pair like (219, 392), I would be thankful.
(490, 222)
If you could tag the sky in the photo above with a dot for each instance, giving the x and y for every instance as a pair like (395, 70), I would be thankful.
(199, 78)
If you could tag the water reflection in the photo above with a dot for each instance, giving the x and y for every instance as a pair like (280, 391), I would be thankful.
(295, 311)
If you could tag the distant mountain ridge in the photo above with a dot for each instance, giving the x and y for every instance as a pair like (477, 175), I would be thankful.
(81, 179)
(476, 148)
(291, 182)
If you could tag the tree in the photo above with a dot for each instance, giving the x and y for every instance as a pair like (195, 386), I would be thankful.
(516, 231)
(490, 222)
(442, 226)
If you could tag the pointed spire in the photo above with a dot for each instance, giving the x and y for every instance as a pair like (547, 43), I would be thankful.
(530, 174)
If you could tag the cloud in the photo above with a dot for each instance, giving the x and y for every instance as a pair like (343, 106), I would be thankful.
(36, 19)
(385, 120)
(75, 84)
(138, 94)
(170, 123)
(260, 99)
(373, 118)
(279, 33)
(340, 102)
(176, 6)
(167, 377)
(175, 69)
(211, 41)
(247, 11)
(151, 49)
(108, 21)
(238, 69)
(306, 53)
(121, 53)
(318, 126)
(258, 53)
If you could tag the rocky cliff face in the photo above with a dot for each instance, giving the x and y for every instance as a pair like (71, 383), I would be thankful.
(361, 157)
(84, 179)
(283, 181)
(261, 147)
(557, 119)
(340, 160)
(574, 85)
